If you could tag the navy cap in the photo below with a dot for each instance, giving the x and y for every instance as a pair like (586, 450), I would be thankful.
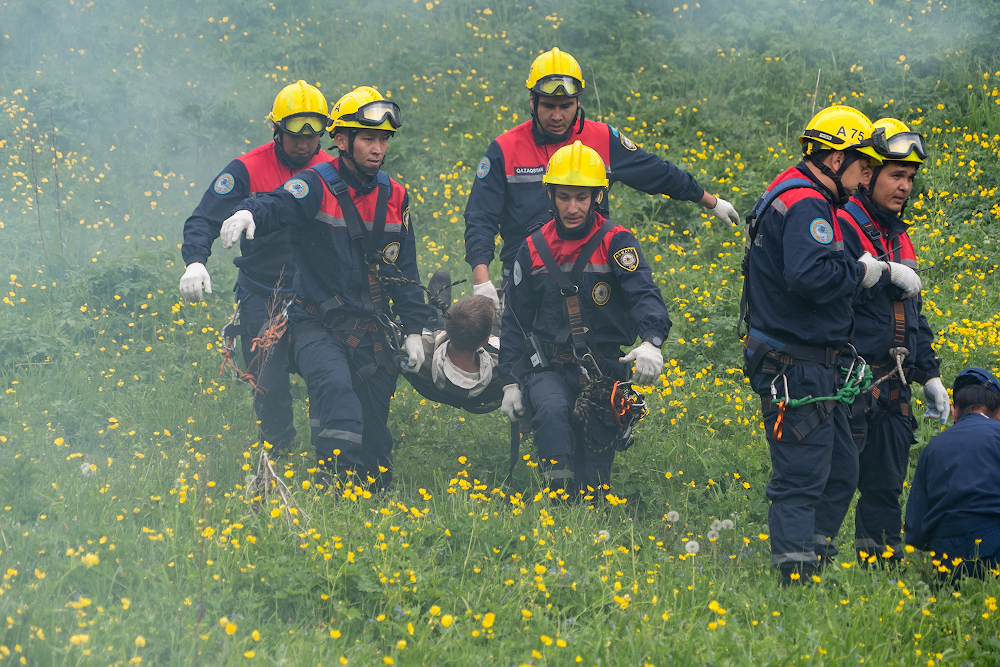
(974, 376)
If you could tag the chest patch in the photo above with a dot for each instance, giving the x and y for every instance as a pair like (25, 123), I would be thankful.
(390, 252)
(821, 230)
(627, 143)
(627, 258)
(601, 293)
(483, 170)
(224, 184)
(517, 272)
(297, 187)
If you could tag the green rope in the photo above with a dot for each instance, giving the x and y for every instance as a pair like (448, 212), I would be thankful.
(854, 387)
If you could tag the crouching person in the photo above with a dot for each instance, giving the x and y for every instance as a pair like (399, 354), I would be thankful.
(954, 504)
(579, 291)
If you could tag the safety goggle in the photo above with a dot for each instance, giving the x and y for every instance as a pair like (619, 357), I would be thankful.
(376, 113)
(980, 376)
(305, 124)
(558, 84)
(876, 141)
(902, 144)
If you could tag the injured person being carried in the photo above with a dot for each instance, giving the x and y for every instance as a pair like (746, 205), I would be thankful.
(463, 353)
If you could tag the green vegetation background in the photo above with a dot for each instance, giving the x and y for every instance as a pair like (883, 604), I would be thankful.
(125, 534)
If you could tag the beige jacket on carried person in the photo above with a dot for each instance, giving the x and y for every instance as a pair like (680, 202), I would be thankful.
(446, 375)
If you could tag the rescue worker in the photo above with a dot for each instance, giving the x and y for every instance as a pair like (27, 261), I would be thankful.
(300, 118)
(888, 321)
(508, 196)
(354, 252)
(572, 321)
(798, 287)
(954, 504)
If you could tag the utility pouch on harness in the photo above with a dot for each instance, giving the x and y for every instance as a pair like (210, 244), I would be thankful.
(814, 415)
(751, 233)
(759, 354)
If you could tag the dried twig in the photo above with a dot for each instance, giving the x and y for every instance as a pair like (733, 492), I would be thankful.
(816, 92)
(267, 483)
(55, 176)
(38, 196)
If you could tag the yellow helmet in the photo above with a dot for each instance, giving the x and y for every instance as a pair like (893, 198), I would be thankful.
(555, 73)
(842, 128)
(365, 108)
(297, 108)
(578, 165)
(903, 144)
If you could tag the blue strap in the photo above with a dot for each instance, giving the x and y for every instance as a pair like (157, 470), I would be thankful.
(332, 178)
(862, 218)
(769, 196)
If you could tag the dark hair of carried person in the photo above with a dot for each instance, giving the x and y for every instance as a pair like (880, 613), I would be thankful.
(470, 323)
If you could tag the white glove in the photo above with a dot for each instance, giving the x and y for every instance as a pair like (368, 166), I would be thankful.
(192, 280)
(235, 225)
(512, 406)
(724, 211)
(905, 278)
(415, 349)
(648, 363)
(488, 290)
(873, 270)
(936, 403)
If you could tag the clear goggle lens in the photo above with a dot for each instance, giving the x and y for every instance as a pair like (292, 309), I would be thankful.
(902, 144)
(558, 84)
(304, 125)
(376, 113)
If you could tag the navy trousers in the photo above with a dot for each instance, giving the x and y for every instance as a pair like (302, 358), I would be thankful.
(566, 455)
(813, 479)
(273, 401)
(347, 415)
(884, 461)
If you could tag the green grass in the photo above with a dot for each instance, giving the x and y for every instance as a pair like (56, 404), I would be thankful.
(126, 455)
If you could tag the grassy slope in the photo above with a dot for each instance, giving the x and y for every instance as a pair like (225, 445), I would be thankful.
(120, 440)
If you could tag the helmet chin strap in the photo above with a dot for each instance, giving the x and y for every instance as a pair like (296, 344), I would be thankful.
(367, 171)
(850, 157)
(284, 157)
(580, 116)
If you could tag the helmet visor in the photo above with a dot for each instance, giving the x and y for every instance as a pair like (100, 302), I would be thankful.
(900, 145)
(378, 112)
(304, 124)
(876, 141)
(558, 84)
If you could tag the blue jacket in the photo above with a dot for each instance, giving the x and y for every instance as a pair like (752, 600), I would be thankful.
(266, 259)
(331, 265)
(801, 283)
(956, 488)
(509, 198)
(868, 227)
(617, 295)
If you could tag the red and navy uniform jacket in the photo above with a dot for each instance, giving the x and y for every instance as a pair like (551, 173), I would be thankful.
(617, 295)
(267, 259)
(955, 489)
(328, 263)
(509, 198)
(870, 228)
(801, 282)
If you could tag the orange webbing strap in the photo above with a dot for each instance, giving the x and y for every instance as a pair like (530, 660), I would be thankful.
(272, 334)
(899, 321)
(778, 422)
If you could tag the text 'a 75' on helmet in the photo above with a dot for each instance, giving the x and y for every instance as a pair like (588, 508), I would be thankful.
(842, 128)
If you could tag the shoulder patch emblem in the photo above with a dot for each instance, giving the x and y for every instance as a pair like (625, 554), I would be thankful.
(484, 167)
(406, 219)
(627, 258)
(627, 143)
(821, 230)
(390, 252)
(601, 293)
(224, 184)
(614, 130)
(297, 187)
(517, 272)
